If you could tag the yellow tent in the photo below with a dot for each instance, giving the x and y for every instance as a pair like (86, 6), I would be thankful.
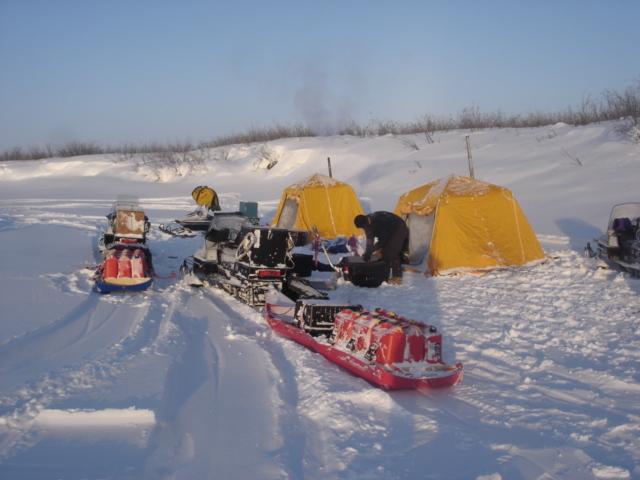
(457, 224)
(322, 201)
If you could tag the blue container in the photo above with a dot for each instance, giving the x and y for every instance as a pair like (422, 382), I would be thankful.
(249, 209)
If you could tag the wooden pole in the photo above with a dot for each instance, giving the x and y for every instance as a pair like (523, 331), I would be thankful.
(469, 157)
(329, 163)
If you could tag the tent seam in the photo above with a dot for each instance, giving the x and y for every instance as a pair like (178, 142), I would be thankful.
(333, 224)
(515, 214)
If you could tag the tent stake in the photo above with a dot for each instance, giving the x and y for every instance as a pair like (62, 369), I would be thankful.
(469, 157)
(329, 163)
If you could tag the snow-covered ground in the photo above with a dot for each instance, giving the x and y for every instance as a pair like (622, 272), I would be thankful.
(183, 383)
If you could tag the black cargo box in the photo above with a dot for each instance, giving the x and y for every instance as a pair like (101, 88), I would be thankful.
(302, 264)
(270, 246)
(364, 274)
(300, 238)
(316, 317)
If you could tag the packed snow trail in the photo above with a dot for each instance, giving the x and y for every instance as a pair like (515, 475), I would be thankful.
(221, 383)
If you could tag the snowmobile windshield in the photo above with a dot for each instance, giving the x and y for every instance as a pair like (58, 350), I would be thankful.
(131, 206)
(232, 221)
(624, 210)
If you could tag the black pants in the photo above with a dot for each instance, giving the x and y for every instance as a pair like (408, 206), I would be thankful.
(392, 252)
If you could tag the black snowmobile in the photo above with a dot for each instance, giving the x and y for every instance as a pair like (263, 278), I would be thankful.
(621, 244)
(246, 260)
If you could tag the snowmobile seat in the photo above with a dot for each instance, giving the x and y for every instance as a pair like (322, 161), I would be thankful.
(621, 224)
(217, 235)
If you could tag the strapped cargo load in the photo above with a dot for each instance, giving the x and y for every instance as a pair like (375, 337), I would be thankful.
(125, 268)
(388, 350)
(386, 337)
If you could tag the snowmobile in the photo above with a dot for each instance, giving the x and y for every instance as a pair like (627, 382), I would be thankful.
(387, 350)
(620, 245)
(126, 259)
(190, 224)
(200, 219)
(127, 224)
(207, 203)
(245, 259)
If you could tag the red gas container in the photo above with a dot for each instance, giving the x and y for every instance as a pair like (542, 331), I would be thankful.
(110, 266)
(391, 343)
(138, 264)
(363, 326)
(343, 325)
(433, 347)
(124, 265)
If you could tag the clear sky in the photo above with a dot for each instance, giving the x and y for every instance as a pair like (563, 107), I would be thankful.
(138, 71)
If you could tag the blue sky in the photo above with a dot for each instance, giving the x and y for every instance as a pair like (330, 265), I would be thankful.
(139, 71)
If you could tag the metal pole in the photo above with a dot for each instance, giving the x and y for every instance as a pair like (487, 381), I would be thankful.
(469, 157)
(329, 163)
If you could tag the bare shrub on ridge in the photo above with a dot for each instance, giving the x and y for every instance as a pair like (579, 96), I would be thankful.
(611, 106)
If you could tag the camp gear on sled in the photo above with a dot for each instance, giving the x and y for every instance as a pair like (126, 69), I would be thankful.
(458, 224)
(126, 268)
(620, 245)
(387, 350)
(386, 232)
(317, 316)
(364, 274)
(322, 201)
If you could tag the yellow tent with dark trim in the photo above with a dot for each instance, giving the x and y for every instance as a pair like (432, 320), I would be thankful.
(325, 202)
(458, 224)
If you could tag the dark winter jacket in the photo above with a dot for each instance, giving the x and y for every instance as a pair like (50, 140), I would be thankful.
(384, 227)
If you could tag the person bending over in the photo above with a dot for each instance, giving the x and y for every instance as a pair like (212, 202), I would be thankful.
(386, 232)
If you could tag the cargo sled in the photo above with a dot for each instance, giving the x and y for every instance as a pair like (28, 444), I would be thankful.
(127, 224)
(125, 268)
(244, 259)
(387, 350)
(620, 245)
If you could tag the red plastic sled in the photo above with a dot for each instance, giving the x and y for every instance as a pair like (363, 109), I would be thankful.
(404, 356)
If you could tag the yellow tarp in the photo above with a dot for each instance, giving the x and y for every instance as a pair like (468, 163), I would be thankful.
(477, 226)
(325, 202)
